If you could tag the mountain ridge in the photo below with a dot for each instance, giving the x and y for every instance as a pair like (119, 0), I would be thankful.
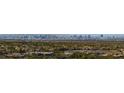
(62, 37)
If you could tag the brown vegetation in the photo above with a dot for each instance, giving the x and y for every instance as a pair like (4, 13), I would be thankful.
(62, 49)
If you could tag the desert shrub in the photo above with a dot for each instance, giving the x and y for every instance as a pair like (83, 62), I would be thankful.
(79, 55)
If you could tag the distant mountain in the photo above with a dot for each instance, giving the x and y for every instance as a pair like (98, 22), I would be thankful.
(115, 37)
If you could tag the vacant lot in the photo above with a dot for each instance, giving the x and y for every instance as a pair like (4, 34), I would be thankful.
(62, 49)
